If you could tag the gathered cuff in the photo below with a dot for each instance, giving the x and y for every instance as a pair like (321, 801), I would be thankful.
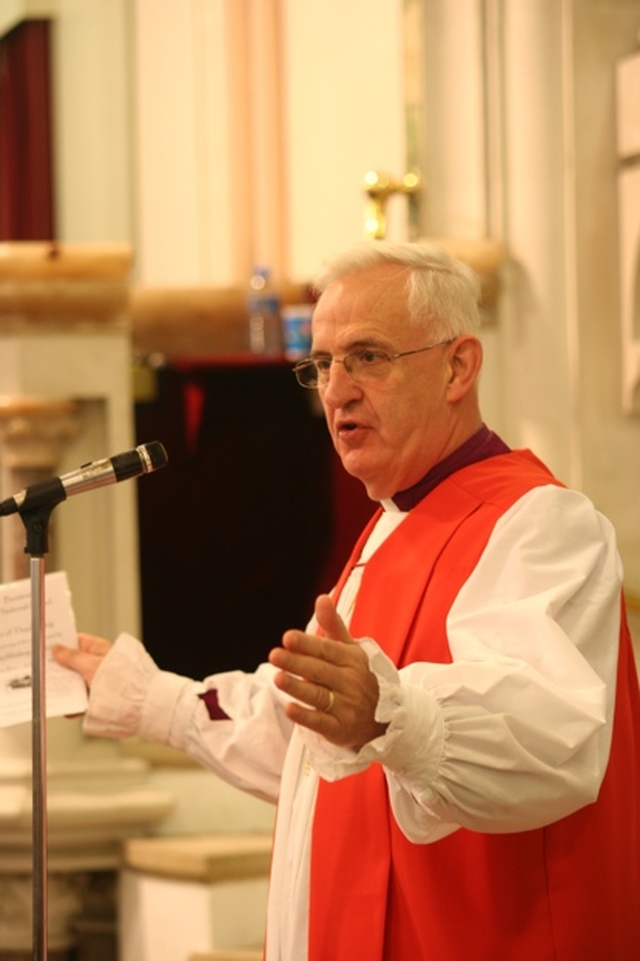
(130, 696)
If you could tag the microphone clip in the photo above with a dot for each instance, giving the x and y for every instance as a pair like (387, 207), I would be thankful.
(36, 523)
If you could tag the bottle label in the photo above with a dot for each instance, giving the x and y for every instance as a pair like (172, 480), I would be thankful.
(296, 324)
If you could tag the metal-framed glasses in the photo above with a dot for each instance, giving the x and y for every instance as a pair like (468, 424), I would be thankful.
(368, 363)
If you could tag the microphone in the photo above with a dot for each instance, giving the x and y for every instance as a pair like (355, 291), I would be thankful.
(99, 473)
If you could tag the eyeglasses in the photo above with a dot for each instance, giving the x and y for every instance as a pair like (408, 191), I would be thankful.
(363, 365)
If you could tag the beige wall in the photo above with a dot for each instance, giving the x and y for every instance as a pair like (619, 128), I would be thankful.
(255, 125)
(518, 142)
(540, 171)
(610, 439)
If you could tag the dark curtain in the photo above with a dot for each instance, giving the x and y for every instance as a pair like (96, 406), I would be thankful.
(26, 180)
(246, 526)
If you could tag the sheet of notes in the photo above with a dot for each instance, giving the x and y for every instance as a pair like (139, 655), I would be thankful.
(65, 690)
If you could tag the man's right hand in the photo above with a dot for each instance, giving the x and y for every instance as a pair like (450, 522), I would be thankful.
(86, 659)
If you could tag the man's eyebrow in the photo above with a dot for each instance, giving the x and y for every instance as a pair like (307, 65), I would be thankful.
(359, 344)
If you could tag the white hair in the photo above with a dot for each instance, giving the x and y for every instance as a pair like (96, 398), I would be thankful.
(442, 293)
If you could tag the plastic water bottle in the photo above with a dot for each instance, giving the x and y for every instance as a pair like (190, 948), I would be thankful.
(263, 309)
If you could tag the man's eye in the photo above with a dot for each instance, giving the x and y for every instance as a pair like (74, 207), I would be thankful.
(322, 364)
(369, 357)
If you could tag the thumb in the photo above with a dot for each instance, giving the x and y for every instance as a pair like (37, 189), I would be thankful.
(330, 621)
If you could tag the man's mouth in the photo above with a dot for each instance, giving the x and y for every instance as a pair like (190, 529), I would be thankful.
(348, 428)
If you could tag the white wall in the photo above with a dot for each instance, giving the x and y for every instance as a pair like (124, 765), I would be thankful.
(196, 185)
(218, 133)
(540, 171)
(344, 117)
(92, 133)
(610, 439)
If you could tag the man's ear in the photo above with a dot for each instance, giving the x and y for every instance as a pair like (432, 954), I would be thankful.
(465, 363)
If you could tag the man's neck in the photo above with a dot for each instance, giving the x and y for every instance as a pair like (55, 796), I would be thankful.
(481, 445)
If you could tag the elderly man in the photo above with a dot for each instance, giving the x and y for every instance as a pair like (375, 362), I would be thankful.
(453, 741)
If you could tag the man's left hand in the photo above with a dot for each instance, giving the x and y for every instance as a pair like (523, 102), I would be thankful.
(336, 693)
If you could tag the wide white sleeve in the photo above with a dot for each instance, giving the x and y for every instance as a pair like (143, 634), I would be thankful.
(515, 732)
(131, 696)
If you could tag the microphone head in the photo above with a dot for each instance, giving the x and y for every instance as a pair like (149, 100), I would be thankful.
(154, 455)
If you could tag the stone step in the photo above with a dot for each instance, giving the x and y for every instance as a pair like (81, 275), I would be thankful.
(231, 954)
(206, 858)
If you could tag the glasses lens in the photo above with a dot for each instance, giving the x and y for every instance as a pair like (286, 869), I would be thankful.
(363, 364)
(306, 373)
(368, 364)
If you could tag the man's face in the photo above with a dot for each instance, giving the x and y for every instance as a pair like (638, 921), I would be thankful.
(388, 432)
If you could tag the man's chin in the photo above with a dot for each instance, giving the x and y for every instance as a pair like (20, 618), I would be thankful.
(361, 468)
(375, 489)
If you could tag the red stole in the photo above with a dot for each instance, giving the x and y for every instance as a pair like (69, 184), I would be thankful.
(567, 892)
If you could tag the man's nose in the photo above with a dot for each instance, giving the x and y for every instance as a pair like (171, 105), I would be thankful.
(340, 387)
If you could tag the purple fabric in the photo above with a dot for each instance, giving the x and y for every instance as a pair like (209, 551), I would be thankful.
(210, 699)
(482, 445)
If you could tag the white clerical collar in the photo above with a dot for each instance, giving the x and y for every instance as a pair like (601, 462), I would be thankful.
(389, 505)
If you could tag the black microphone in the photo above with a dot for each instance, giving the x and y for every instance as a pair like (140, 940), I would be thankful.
(110, 470)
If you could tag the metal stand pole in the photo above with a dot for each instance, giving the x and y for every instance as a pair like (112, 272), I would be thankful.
(39, 761)
(36, 522)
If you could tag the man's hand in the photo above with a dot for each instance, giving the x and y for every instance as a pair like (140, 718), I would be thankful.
(331, 675)
(86, 659)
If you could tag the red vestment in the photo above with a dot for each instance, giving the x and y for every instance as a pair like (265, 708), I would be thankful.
(569, 891)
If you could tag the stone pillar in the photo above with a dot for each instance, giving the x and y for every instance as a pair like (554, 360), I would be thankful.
(65, 334)
(65, 399)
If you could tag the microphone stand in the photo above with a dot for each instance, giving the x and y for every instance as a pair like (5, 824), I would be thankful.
(36, 522)
(34, 506)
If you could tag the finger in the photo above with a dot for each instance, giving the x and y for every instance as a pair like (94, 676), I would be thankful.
(330, 621)
(316, 659)
(62, 654)
(93, 644)
(84, 663)
(318, 696)
(312, 706)
(72, 657)
(320, 646)
(322, 722)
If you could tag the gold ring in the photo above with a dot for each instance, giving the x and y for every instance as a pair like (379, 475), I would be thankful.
(332, 701)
